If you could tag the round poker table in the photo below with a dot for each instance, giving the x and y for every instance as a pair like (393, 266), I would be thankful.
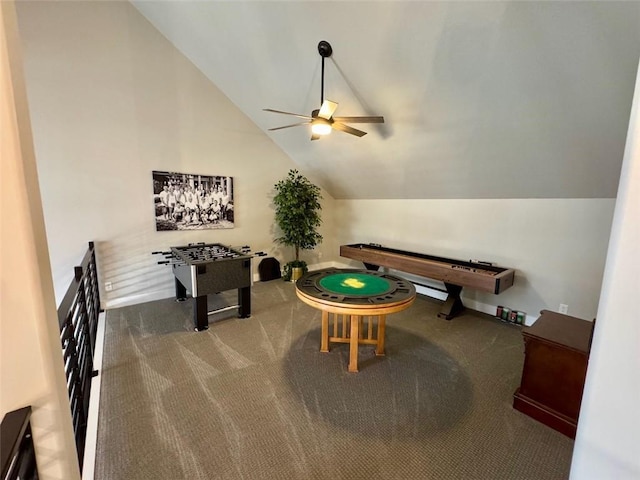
(348, 297)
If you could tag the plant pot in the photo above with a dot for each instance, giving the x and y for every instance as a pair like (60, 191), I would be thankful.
(296, 273)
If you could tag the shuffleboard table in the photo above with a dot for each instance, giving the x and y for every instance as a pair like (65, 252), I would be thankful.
(454, 273)
(350, 297)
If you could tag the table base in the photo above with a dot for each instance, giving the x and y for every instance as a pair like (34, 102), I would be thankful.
(351, 329)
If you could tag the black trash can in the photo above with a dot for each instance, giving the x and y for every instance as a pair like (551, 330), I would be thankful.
(269, 269)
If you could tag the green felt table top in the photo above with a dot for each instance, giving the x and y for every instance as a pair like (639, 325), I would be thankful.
(354, 284)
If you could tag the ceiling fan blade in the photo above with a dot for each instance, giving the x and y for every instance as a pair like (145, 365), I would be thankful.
(327, 108)
(286, 113)
(289, 126)
(347, 129)
(359, 119)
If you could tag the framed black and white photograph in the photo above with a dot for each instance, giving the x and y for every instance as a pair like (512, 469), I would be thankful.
(186, 201)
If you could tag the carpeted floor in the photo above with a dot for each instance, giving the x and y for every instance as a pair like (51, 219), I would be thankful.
(255, 399)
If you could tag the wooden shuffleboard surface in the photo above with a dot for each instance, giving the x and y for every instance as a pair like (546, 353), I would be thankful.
(465, 274)
(454, 273)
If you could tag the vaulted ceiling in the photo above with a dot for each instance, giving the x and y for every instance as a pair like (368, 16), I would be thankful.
(480, 99)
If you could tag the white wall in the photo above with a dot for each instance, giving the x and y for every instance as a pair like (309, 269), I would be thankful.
(111, 100)
(481, 99)
(607, 444)
(31, 366)
(557, 246)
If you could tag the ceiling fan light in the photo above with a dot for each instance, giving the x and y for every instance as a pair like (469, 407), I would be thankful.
(321, 128)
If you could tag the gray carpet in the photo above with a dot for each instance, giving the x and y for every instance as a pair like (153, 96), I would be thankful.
(255, 399)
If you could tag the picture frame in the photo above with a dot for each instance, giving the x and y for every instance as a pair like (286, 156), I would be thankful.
(187, 201)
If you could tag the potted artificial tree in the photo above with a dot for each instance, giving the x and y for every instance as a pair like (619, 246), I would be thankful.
(297, 203)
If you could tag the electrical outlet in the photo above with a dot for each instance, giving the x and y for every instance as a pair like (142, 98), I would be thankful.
(564, 308)
(108, 286)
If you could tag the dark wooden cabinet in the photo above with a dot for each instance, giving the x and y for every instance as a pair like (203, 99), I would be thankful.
(555, 365)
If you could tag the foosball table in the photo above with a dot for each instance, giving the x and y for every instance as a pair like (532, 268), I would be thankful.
(202, 269)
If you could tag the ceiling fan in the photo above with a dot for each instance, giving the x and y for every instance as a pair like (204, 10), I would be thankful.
(322, 120)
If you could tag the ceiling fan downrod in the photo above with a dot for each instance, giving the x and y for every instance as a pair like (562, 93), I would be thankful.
(325, 50)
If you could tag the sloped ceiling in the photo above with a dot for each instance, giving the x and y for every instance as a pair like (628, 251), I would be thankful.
(480, 99)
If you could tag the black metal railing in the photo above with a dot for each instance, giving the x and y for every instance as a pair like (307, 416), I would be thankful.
(78, 318)
(18, 457)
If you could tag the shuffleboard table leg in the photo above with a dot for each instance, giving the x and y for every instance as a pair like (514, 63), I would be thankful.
(453, 304)
(200, 313)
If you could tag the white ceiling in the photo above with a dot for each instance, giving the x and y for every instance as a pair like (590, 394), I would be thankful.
(480, 99)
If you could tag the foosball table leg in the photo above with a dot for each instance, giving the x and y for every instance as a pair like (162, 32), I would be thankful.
(200, 313)
(244, 302)
(181, 291)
